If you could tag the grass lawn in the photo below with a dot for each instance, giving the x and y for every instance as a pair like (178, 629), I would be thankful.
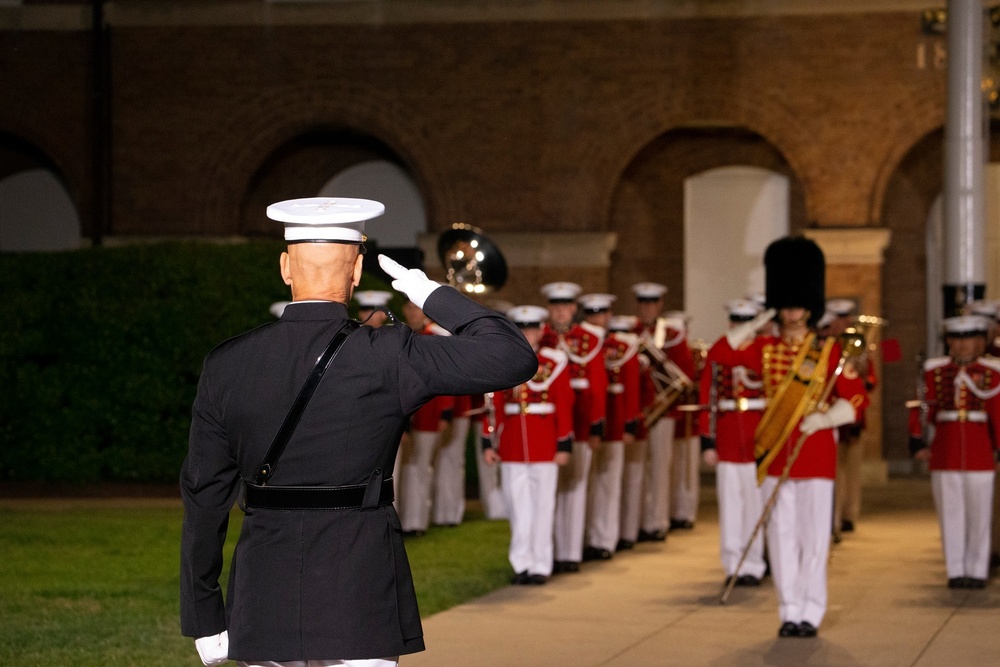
(95, 582)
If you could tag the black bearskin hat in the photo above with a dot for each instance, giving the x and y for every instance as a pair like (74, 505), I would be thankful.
(795, 276)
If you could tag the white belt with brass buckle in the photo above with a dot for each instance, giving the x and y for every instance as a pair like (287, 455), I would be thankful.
(741, 404)
(961, 416)
(529, 409)
(579, 383)
(616, 388)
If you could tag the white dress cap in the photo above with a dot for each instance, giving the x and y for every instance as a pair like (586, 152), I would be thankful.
(278, 308)
(840, 307)
(966, 325)
(623, 323)
(982, 308)
(743, 309)
(321, 219)
(528, 316)
(561, 291)
(597, 303)
(757, 296)
(372, 298)
(649, 291)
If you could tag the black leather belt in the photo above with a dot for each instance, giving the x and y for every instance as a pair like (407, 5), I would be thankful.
(314, 497)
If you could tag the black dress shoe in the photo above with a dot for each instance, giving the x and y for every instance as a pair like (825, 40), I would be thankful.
(652, 536)
(972, 582)
(681, 524)
(521, 578)
(956, 582)
(596, 553)
(624, 545)
(807, 629)
(747, 580)
(788, 629)
(564, 566)
(413, 533)
(847, 526)
(537, 579)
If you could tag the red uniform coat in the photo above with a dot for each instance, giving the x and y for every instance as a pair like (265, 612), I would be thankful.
(534, 420)
(772, 358)
(621, 359)
(739, 398)
(957, 397)
(583, 344)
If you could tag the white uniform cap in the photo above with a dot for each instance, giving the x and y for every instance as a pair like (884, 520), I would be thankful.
(597, 303)
(561, 291)
(983, 308)
(649, 291)
(623, 323)
(758, 296)
(966, 325)
(840, 307)
(743, 309)
(278, 308)
(826, 320)
(528, 316)
(372, 298)
(324, 219)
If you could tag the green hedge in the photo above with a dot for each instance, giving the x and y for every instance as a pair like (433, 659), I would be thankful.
(101, 349)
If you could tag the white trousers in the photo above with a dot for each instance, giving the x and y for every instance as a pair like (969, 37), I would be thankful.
(964, 502)
(632, 485)
(605, 496)
(798, 542)
(449, 475)
(740, 505)
(490, 493)
(686, 479)
(415, 474)
(656, 493)
(376, 662)
(571, 504)
(530, 492)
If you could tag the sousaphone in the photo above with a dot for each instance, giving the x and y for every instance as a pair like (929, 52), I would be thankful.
(473, 264)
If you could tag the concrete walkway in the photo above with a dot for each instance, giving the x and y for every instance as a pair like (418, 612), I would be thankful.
(658, 604)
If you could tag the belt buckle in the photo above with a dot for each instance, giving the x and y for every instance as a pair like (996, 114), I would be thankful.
(743, 404)
(963, 415)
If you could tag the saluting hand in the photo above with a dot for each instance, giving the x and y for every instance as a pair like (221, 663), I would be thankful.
(414, 283)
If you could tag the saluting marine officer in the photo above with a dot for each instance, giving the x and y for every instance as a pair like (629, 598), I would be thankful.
(307, 583)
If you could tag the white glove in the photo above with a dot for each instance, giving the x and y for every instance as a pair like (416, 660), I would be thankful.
(744, 332)
(213, 650)
(840, 413)
(414, 283)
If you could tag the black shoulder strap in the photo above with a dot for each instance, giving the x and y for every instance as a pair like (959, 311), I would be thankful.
(266, 466)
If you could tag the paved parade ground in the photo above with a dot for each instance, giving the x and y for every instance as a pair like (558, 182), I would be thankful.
(658, 604)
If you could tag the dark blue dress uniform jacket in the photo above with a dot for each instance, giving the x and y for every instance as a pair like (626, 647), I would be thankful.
(321, 584)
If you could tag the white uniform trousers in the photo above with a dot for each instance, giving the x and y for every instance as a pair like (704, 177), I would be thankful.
(632, 485)
(798, 544)
(490, 493)
(530, 492)
(571, 504)
(686, 479)
(415, 475)
(605, 496)
(847, 491)
(449, 476)
(656, 494)
(995, 541)
(740, 505)
(376, 662)
(964, 501)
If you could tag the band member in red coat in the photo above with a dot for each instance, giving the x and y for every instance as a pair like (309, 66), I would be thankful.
(961, 401)
(583, 344)
(734, 396)
(428, 426)
(796, 367)
(662, 338)
(531, 438)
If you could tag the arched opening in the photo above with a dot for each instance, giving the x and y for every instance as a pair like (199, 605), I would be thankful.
(36, 210)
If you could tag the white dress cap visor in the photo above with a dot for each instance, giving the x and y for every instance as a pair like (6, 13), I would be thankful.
(623, 323)
(966, 325)
(528, 315)
(597, 302)
(743, 308)
(325, 218)
(649, 290)
(840, 307)
(561, 291)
